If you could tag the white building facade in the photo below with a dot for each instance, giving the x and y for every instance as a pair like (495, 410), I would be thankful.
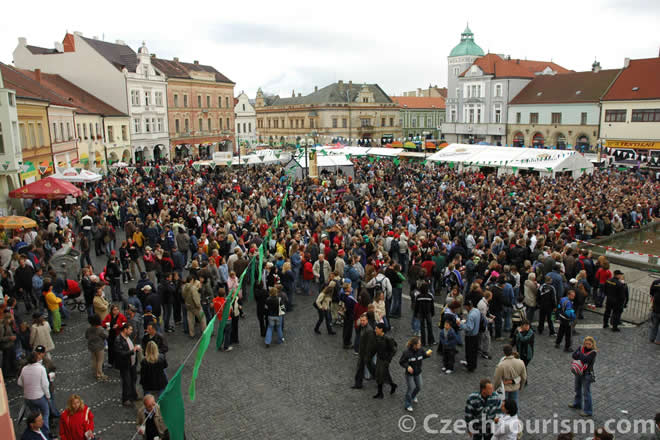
(10, 146)
(246, 120)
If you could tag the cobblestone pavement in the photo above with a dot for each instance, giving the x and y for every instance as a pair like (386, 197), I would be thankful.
(301, 389)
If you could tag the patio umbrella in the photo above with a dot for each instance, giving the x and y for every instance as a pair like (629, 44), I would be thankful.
(16, 222)
(48, 188)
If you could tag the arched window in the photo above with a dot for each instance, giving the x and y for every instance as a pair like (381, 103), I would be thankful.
(538, 140)
(518, 140)
(561, 140)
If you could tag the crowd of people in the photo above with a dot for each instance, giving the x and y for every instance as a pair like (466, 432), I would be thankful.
(478, 252)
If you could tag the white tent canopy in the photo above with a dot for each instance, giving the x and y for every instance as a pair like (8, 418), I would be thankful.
(331, 163)
(263, 157)
(360, 151)
(512, 159)
(71, 175)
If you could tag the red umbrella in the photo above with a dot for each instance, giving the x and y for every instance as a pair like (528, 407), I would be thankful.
(48, 188)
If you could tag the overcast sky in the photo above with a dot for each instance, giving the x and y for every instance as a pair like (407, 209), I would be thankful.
(293, 44)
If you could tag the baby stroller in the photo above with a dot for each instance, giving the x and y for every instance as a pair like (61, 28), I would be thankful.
(73, 298)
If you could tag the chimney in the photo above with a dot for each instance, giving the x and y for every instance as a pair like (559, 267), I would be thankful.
(175, 59)
(120, 42)
(195, 62)
(77, 33)
(22, 41)
(95, 37)
(299, 94)
(153, 55)
(37, 75)
(316, 88)
(58, 47)
(340, 85)
(626, 63)
(293, 93)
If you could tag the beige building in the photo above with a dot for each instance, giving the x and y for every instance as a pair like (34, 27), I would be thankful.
(358, 113)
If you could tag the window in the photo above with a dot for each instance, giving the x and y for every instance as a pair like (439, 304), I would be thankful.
(646, 115)
(365, 99)
(98, 132)
(615, 116)
(533, 118)
(220, 123)
(176, 100)
(158, 97)
(186, 125)
(478, 115)
(421, 122)
(23, 136)
(498, 114)
(68, 131)
(111, 134)
(84, 131)
(135, 97)
(238, 128)
(413, 122)
(269, 123)
(518, 118)
(200, 124)
(147, 98)
(228, 123)
(136, 126)
(583, 118)
(199, 101)
(78, 132)
(391, 122)
(11, 99)
(244, 131)
(556, 118)
(382, 122)
(498, 90)
(456, 71)
(453, 115)
(2, 141)
(311, 123)
(33, 135)
(334, 122)
(62, 131)
(365, 122)
(243, 107)
(227, 105)
(40, 134)
(276, 123)
(147, 125)
(219, 101)
(250, 125)
(177, 126)
(124, 133)
(208, 101)
(185, 100)
(208, 124)
(471, 115)
(160, 125)
(91, 131)
(344, 122)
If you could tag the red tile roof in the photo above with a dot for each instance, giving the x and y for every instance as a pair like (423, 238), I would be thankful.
(26, 87)
(493, 64)
(74, 95)
(421, 102)
(566, 88)
(642, 74)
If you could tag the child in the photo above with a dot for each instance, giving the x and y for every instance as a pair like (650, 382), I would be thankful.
(448, 340)
(149, 318)
(411, 359)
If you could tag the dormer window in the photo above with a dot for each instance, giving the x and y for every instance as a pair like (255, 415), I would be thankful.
(634, 89)
(578, 92)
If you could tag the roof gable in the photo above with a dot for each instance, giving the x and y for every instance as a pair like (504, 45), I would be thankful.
(499, 67)
(640, 80)
(178, 69)
(572, 87)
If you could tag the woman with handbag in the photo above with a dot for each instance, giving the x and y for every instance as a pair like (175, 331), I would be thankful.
(583, 369)
(76, 421)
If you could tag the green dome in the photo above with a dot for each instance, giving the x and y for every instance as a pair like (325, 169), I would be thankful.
(467, 46)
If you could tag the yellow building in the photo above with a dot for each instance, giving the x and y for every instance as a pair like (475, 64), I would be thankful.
(35, 139)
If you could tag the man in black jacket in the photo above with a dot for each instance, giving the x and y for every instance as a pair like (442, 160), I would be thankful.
(151, 334)
(616, 293)
(424, 311)
(546, 303)
(167, 290)
(125, 361)
(366, 350)
(23, 281)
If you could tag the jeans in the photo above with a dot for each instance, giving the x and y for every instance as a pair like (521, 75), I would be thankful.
(274, 322)
(84, 258)
(583, 392)
(128, 378)
(546, 315)
(512, 395)
(323, 315)
(427, 329)
(654, 333)
(471, 348)
(414, 383)
(167, 314)
(415, 325)
(227, 334)
(395, 309)
(565, 331)
(506, 316)
(530, 311)
(184, 318)
(43, 407)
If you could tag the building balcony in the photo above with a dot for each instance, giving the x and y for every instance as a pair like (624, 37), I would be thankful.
(476, 129)
(366, 128)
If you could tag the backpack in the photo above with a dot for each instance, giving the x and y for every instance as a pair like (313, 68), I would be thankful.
(378, 287)
(577, 366)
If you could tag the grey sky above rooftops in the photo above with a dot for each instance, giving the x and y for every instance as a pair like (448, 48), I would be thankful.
(292, 45)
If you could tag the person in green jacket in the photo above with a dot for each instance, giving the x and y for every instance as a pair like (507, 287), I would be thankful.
(524, 341)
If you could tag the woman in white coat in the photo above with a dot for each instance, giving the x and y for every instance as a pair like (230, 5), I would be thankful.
(40, 333)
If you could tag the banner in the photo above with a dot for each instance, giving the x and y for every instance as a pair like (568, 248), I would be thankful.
(203, 345)
(171, 406)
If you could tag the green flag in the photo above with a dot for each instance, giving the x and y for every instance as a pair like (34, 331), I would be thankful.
(212, 165)
(147, 170)
(396, 161)
(549, 169)
(164, 168)
(451, 164)
(582, 170)
(261, 261)
(203, 345)
(229, 163)
(371, 159)
(424, 162)
(130, 169)
(514, 169)
(196, 166)
(253, 266)
(348, 156)
(179, 167)
(171, 406)
(277, 155)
